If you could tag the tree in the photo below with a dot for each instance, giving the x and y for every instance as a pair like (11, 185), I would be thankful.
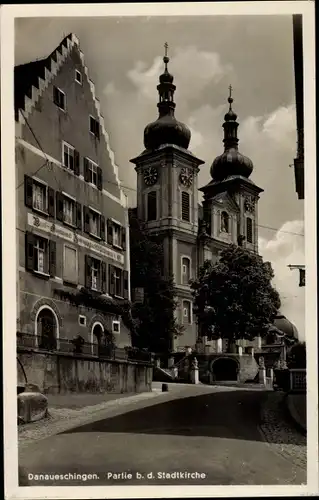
(296, 356)
(234, 298)
(155, 321)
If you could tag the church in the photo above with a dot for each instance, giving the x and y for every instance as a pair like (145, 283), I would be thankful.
(168, 200)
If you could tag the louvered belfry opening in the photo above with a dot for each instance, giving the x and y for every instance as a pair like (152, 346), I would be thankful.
(185, 206)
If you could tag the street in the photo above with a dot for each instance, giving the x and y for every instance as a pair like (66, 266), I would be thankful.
(211, 431)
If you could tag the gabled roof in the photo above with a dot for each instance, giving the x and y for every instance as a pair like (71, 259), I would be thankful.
(31, 79)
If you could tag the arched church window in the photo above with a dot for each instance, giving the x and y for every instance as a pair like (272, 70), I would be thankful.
(185, 206)
(249, 230)
(152, 206)
(185, 270)
(225, 222)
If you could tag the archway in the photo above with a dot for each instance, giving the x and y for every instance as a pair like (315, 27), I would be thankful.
(225, 369)
(47, 329)
(102, 339)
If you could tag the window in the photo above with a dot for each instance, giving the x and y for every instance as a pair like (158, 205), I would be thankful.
(118, 282)
(187, 318)
(40, 254)
(185, 270)
(59, 98)
(82, 320)
(70, 158)
(94, 127)
(185, 206)
(39, 196)
(116, 234)
(70, 265)
(68, 210)
(249, 230)
(69, 213)
(40, 250)
(95, 274)
(40, 199)
(78, 77)
(152, 206)
(94, 223)
(116, 327)
(92, 173)
(224, 224)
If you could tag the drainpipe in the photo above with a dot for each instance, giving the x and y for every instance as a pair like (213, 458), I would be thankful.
(127, 251)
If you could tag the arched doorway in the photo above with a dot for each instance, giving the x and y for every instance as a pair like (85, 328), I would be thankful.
(47, 329)
(103, 339)
(225, 369)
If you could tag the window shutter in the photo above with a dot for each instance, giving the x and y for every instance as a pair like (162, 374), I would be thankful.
(109, 232)
(125, 284)
(78, 208)
(76, 162)
(86, 170)
(28, 191)
(29, 251)
(99, 178)
(86, 213)
(124, 238)
(88, 275)
(97, 129)
(51, 204)
(103, 280)
(102, 228)
(59, 206)
(52, 258)
(111, 280)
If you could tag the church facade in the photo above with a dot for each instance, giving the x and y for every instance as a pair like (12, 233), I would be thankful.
(168, 201)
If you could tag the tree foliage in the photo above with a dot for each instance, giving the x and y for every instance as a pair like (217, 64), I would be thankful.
(234, 298)
(155, 322)
(296, 356)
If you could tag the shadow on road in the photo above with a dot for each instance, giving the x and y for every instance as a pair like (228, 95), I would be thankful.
(233, 415)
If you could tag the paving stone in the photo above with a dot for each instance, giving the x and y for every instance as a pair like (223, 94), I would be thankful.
(281, 435)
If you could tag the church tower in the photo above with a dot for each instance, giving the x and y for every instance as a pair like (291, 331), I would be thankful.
(230, 206)
(167, 199)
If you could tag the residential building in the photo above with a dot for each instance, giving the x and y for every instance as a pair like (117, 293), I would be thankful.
(72, 221)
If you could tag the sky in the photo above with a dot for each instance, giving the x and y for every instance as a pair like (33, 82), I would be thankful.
(252, 53)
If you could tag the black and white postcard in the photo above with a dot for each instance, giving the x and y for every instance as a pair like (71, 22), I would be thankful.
(159, 250)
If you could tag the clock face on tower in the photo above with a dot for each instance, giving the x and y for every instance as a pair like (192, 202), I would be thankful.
(150, 176)
(186, 177)
(249, 204)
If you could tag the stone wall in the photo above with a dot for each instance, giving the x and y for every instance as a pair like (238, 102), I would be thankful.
(247, 366)
(55, 373)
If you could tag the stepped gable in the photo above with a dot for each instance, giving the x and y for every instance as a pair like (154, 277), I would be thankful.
(33, 78)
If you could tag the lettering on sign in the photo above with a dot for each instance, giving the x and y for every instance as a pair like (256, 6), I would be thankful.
(71, 236)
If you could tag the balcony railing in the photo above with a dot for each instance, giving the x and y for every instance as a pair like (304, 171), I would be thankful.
(37, 343)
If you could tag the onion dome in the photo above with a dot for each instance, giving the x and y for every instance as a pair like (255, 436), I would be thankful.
(166, 129)
(231, 162)
(285, 326)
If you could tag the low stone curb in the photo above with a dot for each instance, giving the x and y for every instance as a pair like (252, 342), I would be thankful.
(64, 419)
(293, 414)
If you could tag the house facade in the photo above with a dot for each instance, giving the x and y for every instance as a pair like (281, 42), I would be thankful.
(72, 217)
(168, 203)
